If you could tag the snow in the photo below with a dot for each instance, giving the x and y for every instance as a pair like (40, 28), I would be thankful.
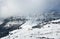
(51, 31)
(56, 20)
(28, 25)
(12, 23)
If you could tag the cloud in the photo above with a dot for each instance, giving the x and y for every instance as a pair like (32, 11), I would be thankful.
(26, 7)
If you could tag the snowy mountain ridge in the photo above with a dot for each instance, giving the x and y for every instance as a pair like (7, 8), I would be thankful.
(48, 31)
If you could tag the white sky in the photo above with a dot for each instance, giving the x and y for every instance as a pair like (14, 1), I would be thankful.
(25, 7)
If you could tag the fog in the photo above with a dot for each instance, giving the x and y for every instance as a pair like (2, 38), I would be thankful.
(27, 7)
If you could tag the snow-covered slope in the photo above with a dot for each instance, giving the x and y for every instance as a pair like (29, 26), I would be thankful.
(48, 31)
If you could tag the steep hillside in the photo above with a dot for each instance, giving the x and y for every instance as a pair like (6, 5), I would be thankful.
(10, 24)
(50, 30)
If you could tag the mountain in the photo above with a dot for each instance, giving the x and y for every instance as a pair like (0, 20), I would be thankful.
(50, 30)
(32, 25)
(10, 24)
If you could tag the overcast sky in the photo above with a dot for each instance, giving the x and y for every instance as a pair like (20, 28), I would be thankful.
(26, 7)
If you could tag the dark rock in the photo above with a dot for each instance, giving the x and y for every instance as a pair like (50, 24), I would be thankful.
(37, 26)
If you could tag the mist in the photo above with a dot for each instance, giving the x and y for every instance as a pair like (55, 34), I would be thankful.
(27, 7)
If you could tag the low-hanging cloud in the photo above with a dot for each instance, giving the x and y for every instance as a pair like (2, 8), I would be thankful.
(26, 7)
